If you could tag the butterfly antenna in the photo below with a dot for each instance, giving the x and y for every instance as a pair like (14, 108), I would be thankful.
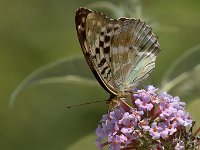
(87, 103)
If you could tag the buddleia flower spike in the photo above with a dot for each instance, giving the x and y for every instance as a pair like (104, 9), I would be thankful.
(153, 122)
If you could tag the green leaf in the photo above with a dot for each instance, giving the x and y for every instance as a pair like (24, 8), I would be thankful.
(183, 78)
(67, 70)
(45, 105)
(42, 116)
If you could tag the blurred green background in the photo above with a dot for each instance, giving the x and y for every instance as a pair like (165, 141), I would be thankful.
(34, 33)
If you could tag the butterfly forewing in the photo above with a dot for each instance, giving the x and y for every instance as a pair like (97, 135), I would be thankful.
(120, 52)
(95, 33)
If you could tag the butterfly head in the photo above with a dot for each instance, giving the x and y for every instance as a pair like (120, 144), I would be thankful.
(112, 102)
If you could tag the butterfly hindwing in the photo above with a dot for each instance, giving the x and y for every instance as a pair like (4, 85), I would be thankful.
(135, 50)
(120, 52)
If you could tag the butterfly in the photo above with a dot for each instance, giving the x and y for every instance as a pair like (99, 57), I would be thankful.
(120, 52)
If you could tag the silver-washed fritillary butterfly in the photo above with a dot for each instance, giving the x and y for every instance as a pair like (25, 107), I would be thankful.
(120, 52)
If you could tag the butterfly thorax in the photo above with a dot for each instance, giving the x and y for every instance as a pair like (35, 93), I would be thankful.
(114, 100)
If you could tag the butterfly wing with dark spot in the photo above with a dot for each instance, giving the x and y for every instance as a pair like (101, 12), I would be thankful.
(95, 32)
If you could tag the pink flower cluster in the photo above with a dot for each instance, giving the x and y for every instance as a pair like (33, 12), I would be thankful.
(153, 121)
